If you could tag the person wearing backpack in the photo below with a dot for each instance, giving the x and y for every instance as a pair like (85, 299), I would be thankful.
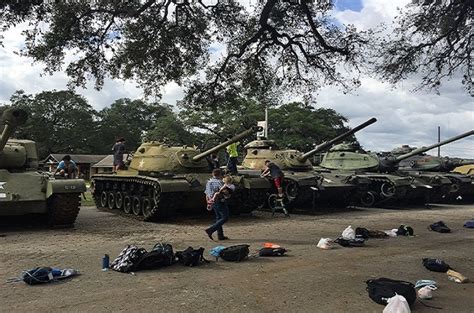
(218, 204)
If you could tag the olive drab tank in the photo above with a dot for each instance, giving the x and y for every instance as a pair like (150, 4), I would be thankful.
(426, 167)
(386, 182)
(25, 190)
(163, 180)
(300, 180)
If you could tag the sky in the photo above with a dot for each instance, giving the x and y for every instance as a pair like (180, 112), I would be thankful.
(404, 117)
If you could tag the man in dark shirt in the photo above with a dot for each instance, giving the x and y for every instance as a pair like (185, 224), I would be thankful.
(118, 150)
(272, 170)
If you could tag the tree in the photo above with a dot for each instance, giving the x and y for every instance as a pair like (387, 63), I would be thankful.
(435, 38)
(126, 118)
(169, 129)
(59, 121)
(279, 45)
(293, 125)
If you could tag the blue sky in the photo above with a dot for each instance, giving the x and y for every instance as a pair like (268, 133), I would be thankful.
(353, 5)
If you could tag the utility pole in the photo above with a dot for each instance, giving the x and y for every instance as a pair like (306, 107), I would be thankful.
(439, 140)
(266, 122)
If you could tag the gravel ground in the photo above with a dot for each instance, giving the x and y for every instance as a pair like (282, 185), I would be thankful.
(307, 280)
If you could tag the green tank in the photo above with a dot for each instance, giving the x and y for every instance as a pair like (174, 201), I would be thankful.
(163, 181)
(425, 166)
(301, 181)
(386, 182)
(25, 190)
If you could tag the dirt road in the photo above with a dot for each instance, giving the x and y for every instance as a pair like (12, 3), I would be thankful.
(307, 280)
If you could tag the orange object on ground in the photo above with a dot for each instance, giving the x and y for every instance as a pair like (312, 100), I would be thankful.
(271, 245)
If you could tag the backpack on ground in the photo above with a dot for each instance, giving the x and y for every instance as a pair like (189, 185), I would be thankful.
(357, 242)
(469, 224)
(38, 275)
(382, 289)
(405, 230)
(362, 232)
(127, 259)
(235, 253)
(377, 234)
(191, 256)
(436, 265)
(440, 227)
(161, 255)
(272, 251)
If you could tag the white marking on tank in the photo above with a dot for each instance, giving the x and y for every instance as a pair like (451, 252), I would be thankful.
(1, 184)
(142, 162)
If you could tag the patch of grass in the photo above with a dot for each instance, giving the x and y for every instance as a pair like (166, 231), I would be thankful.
(88, 201)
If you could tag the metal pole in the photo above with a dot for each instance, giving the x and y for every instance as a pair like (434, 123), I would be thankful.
(439, 140)
(266, 122)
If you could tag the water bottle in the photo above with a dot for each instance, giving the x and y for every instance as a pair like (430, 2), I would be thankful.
(105, 263)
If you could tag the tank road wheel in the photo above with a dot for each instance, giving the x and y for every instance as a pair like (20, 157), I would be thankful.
(103, 199)
(368, 199)
(118, 200)
(63, 209)
(388, 190)
(291, 189)
(156, 195)
(111, 200)
(127, 204)
(136, 206)
(147, 208)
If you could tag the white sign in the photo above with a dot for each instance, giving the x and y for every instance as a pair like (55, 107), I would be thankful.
(262, 124)
(3, 195)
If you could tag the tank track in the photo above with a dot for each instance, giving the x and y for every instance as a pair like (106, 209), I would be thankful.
(248, 200)
(140, 197)
(63, 209)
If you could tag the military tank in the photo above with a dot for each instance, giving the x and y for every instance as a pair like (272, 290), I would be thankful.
(25, 190)
(163, 181)
(301, 182)
(386, 183)
(426, 166)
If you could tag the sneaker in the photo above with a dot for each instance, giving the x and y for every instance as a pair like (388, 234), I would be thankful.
(457, 277)
(223, 238)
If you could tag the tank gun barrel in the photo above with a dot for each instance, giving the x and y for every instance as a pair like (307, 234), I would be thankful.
(236, 138)
(335, 140)
(438, 144)
(11, 118)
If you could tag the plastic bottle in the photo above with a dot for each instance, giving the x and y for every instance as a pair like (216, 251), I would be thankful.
(105, 263)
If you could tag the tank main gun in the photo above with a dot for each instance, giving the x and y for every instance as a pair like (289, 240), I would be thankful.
(11, 118)
(236, 138)
(391, 162)
(326, 144)
(438, 144)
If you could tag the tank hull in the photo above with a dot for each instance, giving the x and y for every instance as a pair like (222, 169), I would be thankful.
(159, 197)
(32, 192)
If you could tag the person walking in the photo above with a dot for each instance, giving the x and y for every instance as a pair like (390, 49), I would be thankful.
(233, 154)
(118, 150)
(216, 185)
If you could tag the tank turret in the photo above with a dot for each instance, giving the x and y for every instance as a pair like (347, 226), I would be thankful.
(11, 118)
(293, 160)
(390, 163)
(158, 158)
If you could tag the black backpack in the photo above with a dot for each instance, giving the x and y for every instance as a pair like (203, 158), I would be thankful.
(405, 230)
(191, 257)
(161, 255)
(382, 289)
(272, 251)
(436, 265)
(440, 227)
(127, 259)
(235, 253)
(357, 242)
(38, 275)
(362, 232)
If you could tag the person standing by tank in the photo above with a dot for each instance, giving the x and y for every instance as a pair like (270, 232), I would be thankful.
(213, 161)
(233, 154)
(67, 167)
(272, 170)
(215, 187)
(118, 150)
